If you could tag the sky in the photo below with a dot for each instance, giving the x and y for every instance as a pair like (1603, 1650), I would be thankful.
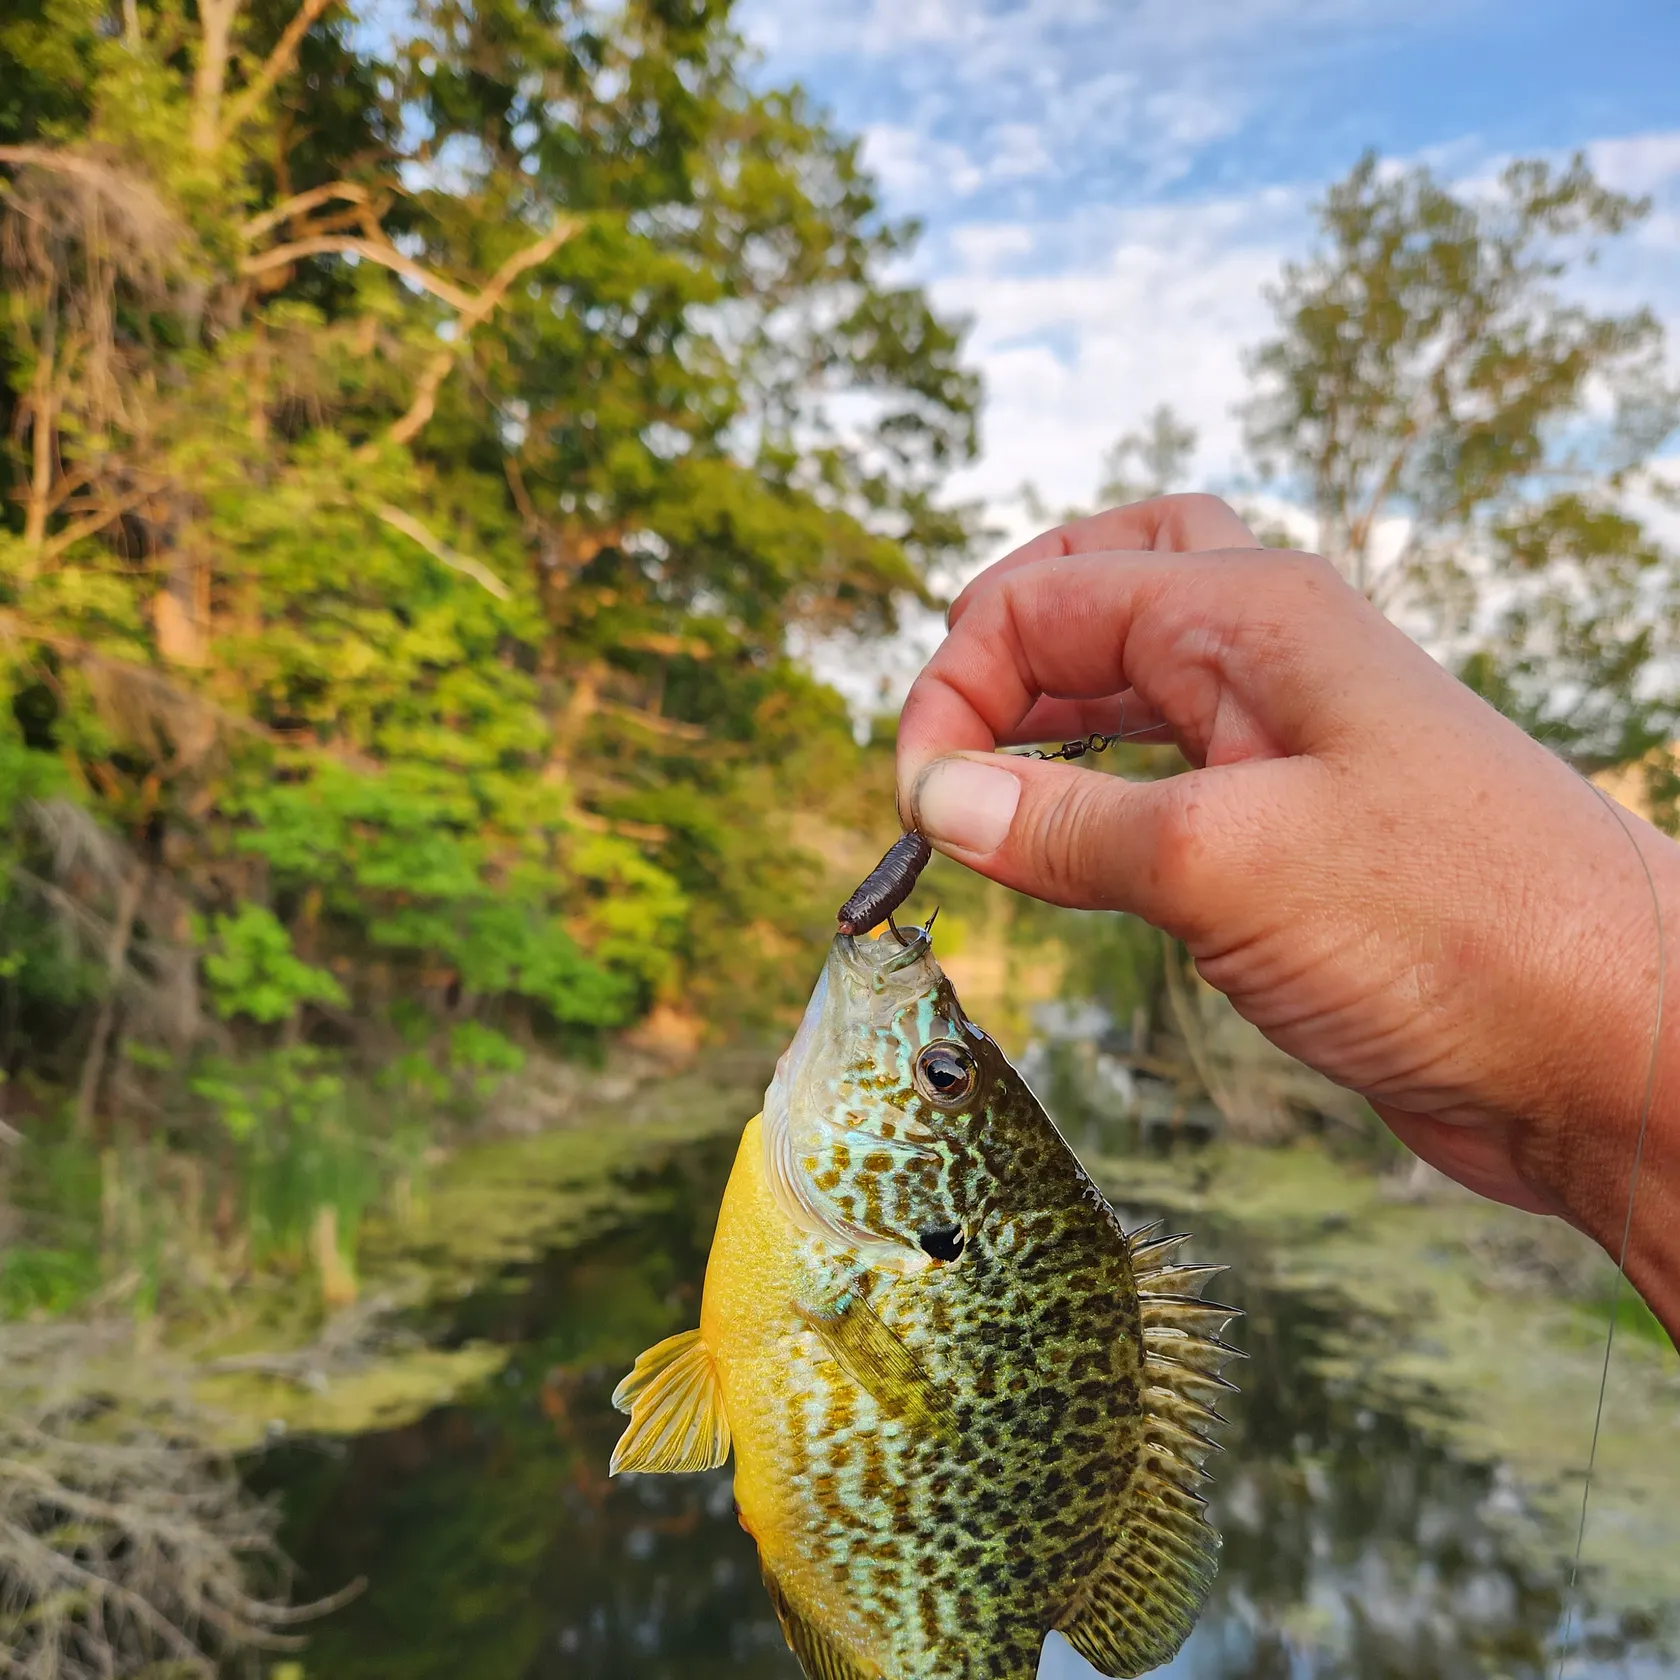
(1109, 185)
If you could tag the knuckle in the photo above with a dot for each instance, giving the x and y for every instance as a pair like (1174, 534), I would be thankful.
(1308, 573)
(1182, 845)
(1190, 504)
(1065, 841)
(1197, 519)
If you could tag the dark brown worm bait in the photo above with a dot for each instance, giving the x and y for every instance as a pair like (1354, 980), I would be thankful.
(886, 886)
(893, 879)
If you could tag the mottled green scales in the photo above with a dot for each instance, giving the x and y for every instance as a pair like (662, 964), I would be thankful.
(965, 1408)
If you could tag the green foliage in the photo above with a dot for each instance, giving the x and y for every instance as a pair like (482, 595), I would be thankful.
(250, 968)
(423, 460)
(476, 1048)
(44, 1282)
(1434, 385)
(305, 1137)
(1114, 961)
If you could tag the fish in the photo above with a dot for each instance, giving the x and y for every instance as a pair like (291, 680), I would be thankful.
(965, 1406)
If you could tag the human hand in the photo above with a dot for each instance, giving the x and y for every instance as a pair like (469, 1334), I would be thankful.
(1387, 877)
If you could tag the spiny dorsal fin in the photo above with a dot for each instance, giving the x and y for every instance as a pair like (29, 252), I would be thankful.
(676, 1411)
(1144, 1596)
(819, 1655)
(1203, 1353)
(1175, 1279)
(1189, 1313)
(1149, 1253)
(878, 1362)
(1142, 1600)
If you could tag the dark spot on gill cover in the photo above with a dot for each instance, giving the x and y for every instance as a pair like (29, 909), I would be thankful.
(942, 1242)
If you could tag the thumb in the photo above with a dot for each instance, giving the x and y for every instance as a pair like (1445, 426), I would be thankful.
(1167, 851)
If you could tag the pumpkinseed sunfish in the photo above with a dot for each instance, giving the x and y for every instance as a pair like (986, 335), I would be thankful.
(965, 1406)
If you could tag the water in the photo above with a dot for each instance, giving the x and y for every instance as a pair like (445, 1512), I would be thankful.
(495, 1548)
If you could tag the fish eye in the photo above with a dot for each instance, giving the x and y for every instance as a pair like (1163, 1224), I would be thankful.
(945, 1074)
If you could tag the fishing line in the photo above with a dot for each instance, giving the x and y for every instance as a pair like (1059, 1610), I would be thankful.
(1570, 1598)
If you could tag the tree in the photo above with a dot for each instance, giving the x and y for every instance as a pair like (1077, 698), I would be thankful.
(1149, 462)
(423, 452)
(1468, 435)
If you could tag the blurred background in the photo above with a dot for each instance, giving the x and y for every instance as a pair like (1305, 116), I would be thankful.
(477, 478)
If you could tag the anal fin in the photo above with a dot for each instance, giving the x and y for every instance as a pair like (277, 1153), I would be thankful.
(676, 1410)
(1140, 1603)
(819, 1655)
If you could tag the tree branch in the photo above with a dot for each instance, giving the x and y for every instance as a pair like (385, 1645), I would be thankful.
(1360, 529)
(495, 289)
(42, 418)
(215, 18)
(441, 551)
(88, 525)
(386, 255)
(60, 162)
(650, 721)
(243, 106)
(116, 955)
(301, 203)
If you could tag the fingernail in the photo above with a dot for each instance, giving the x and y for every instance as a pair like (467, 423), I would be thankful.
(961, 802)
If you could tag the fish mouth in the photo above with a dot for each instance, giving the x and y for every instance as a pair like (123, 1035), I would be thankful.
(879, 962)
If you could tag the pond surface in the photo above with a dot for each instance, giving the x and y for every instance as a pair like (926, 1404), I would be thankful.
(495, 1548)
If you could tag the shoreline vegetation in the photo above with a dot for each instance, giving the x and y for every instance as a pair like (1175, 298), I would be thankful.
(1482, 1325)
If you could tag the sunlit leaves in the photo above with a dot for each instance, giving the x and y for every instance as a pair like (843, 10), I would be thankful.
(251, 969)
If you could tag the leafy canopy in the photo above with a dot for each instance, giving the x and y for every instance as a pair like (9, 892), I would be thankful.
(1469, 435)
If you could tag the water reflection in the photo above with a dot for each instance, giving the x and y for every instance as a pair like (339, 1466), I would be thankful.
(494, 1545)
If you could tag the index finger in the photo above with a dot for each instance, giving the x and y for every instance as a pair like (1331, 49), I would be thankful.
(1244, 654)
(1183, 524)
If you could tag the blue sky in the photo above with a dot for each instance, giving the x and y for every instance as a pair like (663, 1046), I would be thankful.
(1108, 184)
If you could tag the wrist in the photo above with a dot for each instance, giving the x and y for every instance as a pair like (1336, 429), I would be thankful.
(1600, 1141)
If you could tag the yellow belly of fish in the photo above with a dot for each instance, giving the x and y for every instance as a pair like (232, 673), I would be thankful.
(748, 1321)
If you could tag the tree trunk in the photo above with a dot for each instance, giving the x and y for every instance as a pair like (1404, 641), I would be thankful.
(216, 18)
(116, 955)
(41, 416)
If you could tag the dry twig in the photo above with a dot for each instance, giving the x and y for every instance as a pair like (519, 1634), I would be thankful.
(125, 1543)
(441, 551)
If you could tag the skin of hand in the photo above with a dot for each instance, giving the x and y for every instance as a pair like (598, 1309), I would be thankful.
(1388, 878)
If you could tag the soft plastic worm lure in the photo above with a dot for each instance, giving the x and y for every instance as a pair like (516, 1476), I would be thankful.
(893, 879)
(886, 886)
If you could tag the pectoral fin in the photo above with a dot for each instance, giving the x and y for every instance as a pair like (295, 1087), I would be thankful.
(875, 1359)
(676, 1410)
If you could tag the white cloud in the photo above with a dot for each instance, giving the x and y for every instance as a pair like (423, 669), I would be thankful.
(912, 167)
(1638, 163)
(1068, 155)
(1161, 310)
(1161, 302)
